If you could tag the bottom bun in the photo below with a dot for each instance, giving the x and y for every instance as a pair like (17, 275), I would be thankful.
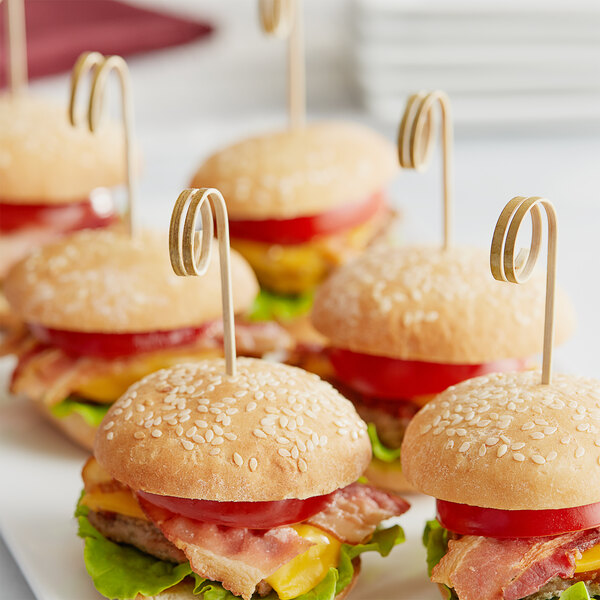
(387, 476)
(73, 426)
(184, 590)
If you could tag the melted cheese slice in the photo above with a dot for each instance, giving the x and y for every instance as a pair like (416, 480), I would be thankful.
(589, 561)
(107, 388)
(120, 501)
(307, 570)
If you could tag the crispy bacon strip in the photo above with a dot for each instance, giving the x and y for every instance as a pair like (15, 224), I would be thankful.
(355, 511)
(49, 375)
(481, 568)
(239, 558)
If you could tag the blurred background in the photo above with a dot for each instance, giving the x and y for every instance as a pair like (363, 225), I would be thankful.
(523, 77)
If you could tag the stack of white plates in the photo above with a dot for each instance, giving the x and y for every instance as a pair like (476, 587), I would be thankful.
(502, 61)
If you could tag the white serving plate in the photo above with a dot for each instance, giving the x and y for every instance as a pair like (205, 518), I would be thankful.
(40, 472)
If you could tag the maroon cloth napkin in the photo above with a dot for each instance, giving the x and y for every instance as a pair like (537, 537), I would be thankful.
(59, 30)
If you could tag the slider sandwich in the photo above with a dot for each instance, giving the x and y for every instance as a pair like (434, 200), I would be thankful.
(405, 323)
(54, 178)
(206, 485)
(102, 310)
(515, 468)
(301, 202)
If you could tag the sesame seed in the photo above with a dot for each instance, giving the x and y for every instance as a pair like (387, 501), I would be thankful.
(218, 430)
(424, 428)
(518, 446)
(201, 424)
(215, 451)
(482, 450)
(282, 440)
(209, 435)
(536, 435)
(191, 432)
(253, 464)
(199, 439)
(492, 441)
(527, 426)
(156, 433)
(284, 452)
(519, 457)
(187, 444)
(259, 434)
(579, 452)
(464, 447)
(551, 456)
(109, 425)
(179, 430)
(230, 436)
(237, 459)
(583, 427)
(217, 441)
(538, 459)
(110, 435)
(502, 450)
(139, 435)
(450, 444)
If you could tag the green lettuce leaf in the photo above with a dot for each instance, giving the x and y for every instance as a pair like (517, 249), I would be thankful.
(435, 540)
(277, 307)
(576, 592)
(380, 452)
(123, 572)
(383, 541)
(92, 413)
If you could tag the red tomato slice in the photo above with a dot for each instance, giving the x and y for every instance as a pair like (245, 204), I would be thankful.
(250, 515)
(59, 217)
(113, 345)
(304, 229)
(382, 377)
(491, 522)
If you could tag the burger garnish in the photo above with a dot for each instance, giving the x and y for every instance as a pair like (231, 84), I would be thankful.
(104, 310)
(302, 201)
(243, 483)
(404, 323)
(514, 468)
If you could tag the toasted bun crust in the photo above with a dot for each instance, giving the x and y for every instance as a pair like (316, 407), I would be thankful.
(103, 281)
(306, 171)
(424, 303)
(184, 590)
(505, 441)
(43, 160)
(272, 432)
(73, 426)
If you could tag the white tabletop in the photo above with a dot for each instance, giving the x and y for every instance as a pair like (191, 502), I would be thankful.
(193, 99)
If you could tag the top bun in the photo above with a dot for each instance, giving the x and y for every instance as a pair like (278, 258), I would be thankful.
(106, 282)
(44, 160)
(300, 172)
(272, 432)
(434, 305)
(505, 441)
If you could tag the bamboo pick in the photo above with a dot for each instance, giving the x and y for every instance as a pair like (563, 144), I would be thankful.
(15, 33)
(416, 136)
(283, 18)
(187, 261)
(506, 266)
(101, 67)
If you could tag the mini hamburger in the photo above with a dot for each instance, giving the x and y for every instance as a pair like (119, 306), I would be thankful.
(301, 202)
(405, 323)
(102, 310)
(216, 486)
(54, 178)
(515, 468)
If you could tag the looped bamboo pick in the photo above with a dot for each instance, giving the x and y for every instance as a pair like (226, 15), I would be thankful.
(517, 268)
(283, 18)
(187, 261)
(101, 67)
(15, 33)
(416, 137)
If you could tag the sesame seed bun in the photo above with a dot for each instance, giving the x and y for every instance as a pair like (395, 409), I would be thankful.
(44, 160)
(104, 281)
(273, 432)
(505, 441)
(424, 303)
(300, 172)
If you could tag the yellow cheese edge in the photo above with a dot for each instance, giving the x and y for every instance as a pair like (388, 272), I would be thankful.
(589, 561)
